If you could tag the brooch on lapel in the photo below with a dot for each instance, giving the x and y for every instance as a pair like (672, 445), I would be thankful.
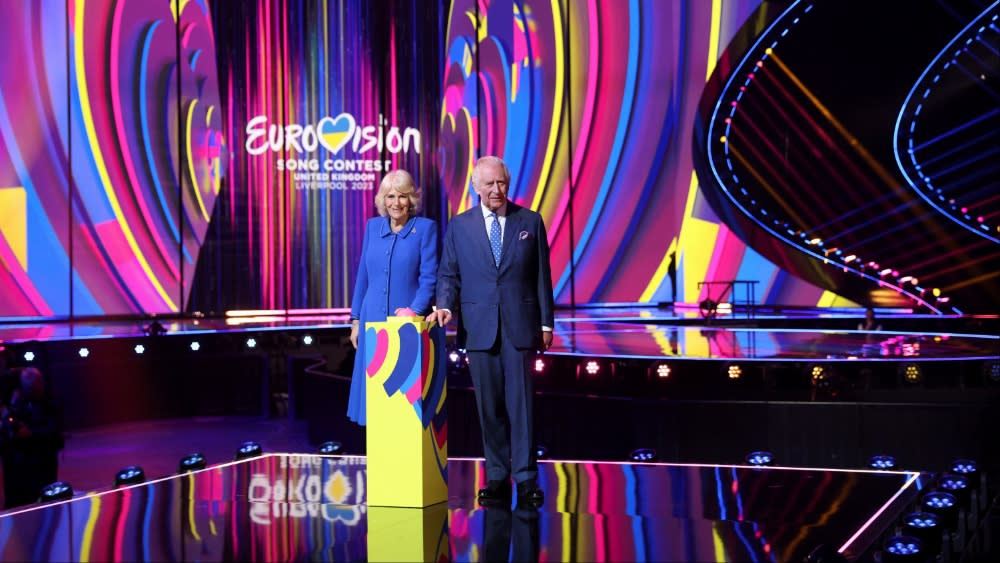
(524, 235)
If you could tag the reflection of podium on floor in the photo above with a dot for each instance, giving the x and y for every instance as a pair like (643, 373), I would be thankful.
(407, 423)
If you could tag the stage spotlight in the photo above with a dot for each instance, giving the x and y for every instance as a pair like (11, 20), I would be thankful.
(943, 504)
(191, 462)
(590, 367)
(60, 490)
(643, 455)
(307, 340)
(818, 371)
(251, 342)
(991, 371)
(331, 447)
(882, 462)
(458, 358)
(248, 450)
(84, 352)
(663, 370)
(541, 452)
(911, 374)
(965, 467)
(957, 485)
(29, 356)
(823, 380)
(539, 365)
(901, 549)
(925, 526)
(734, 371)
(131, 475)
(760, 458)
(195, 346)
(139, 349)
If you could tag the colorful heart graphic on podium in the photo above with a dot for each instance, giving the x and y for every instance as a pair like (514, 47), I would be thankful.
(335, 132)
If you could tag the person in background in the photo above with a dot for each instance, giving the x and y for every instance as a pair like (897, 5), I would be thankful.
(31, 436)
(869, 322)
(396, 273)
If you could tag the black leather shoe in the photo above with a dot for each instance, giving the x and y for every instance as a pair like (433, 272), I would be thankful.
(495, 491)
(528, 494)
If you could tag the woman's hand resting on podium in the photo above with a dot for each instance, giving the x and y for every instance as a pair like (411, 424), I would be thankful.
(405, 312)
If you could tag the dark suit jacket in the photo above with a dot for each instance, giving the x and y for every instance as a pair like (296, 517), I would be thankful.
(518, 293)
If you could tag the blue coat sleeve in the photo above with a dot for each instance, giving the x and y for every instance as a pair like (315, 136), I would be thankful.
(427, 280)
(361, 281)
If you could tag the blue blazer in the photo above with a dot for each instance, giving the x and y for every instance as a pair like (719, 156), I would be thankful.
(395, 270)
(518, 293)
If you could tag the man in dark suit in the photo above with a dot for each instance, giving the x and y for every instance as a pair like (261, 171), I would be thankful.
(495, 268)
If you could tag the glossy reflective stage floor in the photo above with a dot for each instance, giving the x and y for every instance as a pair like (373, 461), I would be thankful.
(292, 508)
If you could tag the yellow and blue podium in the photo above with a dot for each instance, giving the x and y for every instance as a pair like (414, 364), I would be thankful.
(407, 425)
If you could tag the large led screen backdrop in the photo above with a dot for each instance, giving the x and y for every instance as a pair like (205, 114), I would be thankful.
(187, 155)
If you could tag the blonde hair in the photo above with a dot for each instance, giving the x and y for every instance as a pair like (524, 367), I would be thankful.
(402, 182)
(489, 160)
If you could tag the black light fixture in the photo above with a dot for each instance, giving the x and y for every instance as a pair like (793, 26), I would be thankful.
(130, 475)
(823, 380)
(970, 469)
(60, 490)
(760, 458)
(925, 526)
(943, 504)
(644, 455)
(191, 462)
(882, 462)
(901, 549)
(331, 447)
(541, 452)
(910, 373)
(957, 485)
(248, 450)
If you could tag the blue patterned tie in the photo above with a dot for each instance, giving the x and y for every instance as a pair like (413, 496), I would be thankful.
(495, 238)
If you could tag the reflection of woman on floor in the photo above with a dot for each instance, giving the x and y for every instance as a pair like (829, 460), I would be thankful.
(397, 272)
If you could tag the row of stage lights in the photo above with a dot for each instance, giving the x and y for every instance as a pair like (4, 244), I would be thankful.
(135, 475)
(251, 343)
(823, 377)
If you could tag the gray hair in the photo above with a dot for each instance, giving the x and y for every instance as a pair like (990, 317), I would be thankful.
(489, 160)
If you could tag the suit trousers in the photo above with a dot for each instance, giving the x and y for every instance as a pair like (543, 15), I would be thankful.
(505, 394)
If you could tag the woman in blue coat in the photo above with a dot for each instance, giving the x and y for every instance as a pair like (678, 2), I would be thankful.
(397, 272)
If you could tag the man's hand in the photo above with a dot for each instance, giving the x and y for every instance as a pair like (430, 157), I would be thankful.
(440, 316)
(354, 333)
(546, 340)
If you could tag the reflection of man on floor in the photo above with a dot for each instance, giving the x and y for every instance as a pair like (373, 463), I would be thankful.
(31, 435)
(510, 532)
